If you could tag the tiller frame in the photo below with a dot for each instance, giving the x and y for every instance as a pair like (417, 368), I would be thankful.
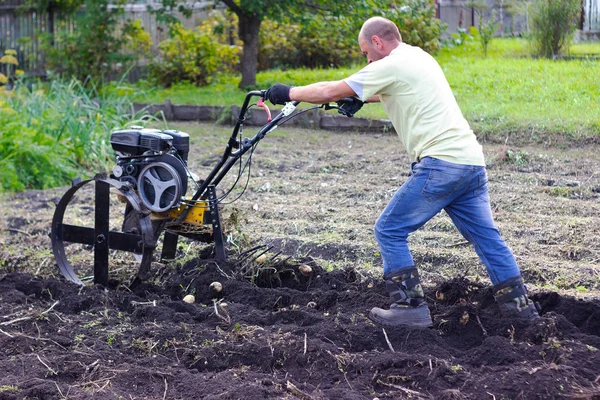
(143, 240)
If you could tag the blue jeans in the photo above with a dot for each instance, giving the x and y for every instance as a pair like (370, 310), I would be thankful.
(462, 191)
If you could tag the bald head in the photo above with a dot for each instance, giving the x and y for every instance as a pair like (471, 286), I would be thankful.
(381, 27)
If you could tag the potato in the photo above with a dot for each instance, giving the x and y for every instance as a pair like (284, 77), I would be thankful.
(189, 298)
(216, 286)
(305, 270)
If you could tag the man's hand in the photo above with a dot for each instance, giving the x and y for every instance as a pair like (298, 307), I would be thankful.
(278, 93)
(349, 106)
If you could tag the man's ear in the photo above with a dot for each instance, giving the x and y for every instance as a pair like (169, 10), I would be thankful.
(376, 41)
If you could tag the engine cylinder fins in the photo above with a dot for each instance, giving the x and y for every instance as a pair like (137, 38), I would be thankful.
(159, 186)
(86, 240)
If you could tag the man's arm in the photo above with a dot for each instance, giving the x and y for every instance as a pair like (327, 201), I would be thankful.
(322, 92)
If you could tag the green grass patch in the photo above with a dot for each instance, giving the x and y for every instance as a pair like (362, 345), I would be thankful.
(505, 93)
(508, 92)
(224, 91)
(585, 48)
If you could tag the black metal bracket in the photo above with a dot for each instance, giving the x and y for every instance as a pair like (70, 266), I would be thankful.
(101, 229)
(215, 220)
(169, 249)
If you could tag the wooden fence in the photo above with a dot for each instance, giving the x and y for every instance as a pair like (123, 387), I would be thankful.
(456, 15)
(18, 31)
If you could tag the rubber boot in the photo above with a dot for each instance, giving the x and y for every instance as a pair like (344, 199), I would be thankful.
(511, 296)
(408, 301)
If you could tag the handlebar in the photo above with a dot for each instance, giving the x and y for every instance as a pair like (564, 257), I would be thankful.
(348, 106)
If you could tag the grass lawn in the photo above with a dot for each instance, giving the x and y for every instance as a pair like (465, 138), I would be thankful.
(510, 92)
(506, 92)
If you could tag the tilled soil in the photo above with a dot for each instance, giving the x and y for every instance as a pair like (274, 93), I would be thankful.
(308, 339)
(274, 332)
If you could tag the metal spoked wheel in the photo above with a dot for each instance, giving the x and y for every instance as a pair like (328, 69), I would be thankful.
(89, 229)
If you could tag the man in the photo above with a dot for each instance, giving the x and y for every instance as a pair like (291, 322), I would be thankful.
(448, 170)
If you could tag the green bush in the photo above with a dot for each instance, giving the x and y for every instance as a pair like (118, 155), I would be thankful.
(316, 41)
(193, 55)
(487, 30)
(332, 41)
(324, 41)
(553, 25)
(31, 159)
(50, 135)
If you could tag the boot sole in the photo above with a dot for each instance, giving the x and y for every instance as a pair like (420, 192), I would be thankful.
(415, 323)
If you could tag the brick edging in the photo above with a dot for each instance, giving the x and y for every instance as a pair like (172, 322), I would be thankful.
(315, 119)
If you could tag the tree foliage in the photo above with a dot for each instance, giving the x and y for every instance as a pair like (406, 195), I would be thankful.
(251, 13)
(64, 6)
(317, 26)
(416, 21)
(311, 44)
(331, 41)
(324, 32)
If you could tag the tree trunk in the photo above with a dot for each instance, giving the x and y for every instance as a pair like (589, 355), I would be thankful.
(249, 27)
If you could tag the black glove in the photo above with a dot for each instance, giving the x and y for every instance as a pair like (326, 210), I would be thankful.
(278, 93)
(349, 106)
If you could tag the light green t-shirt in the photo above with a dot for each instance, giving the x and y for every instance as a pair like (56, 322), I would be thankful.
(419, 102)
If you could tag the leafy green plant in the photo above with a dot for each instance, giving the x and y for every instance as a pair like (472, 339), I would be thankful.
(517, 157)
(487, 29)
(460, 37)
(110, 339)
(318, 41)
(331, 40)
(553, 25)
(192, 55)
(29, 158)
(50, 135)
